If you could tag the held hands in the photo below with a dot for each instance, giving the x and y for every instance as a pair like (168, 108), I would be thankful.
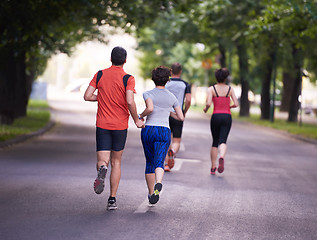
(140, 123)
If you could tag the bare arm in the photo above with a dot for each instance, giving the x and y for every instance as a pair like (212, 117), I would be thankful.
(208, 100)
(132, 109)
(148, 108)
(178, 114)
(234, 99)
(89, 94)
(188, 99)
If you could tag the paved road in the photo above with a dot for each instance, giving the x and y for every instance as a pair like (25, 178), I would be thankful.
(268, 189)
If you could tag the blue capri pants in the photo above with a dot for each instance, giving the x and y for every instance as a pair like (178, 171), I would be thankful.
(155, 141)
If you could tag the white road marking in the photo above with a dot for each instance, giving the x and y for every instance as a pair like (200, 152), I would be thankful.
(145, 205)
(182, 147)
(179, 162)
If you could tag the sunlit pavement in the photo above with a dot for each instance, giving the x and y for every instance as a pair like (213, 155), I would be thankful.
(267, 191)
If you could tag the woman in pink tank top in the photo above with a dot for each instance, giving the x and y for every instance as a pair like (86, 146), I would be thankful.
(220, 95)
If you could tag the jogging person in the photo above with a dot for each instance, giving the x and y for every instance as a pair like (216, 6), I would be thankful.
(220, 122)
(115, 99)
(182, 91)
(156, 136)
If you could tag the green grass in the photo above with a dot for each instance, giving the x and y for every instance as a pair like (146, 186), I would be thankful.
(38, 115)
(305, 130)
(197, 108)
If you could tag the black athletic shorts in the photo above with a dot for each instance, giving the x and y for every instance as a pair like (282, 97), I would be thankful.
(107, 140)
(220, 125)
(176, 127)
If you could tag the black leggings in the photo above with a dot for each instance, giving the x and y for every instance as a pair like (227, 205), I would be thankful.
(220, 125)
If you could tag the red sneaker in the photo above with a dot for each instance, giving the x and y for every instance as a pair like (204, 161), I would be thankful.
(213, 171)
(167, 168)
(171, 156)
(221, 166)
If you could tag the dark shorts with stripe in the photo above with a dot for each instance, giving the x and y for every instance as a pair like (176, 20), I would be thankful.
(176, 127)
(155, 141)
(110, 140)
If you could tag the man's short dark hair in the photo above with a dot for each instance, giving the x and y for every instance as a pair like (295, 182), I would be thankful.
(161, 75)
(221, 75)
(118, 56)
(176, 68)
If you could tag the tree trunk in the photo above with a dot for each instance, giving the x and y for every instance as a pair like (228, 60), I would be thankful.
(243, 75)
(266, 84)
(14, 90)
(294, 103)
(222, 50)
(288, 84)
(265, 96)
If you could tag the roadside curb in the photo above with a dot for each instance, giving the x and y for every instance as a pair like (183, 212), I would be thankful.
(25, 137)
(285, 133)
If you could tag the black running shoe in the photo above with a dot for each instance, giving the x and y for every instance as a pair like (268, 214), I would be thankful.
(99, 183)
(155, 196)
(112, 204)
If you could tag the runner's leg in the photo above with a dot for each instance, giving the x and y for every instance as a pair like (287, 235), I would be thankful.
(213, 156)
(103, 158)
(159, 173)
(215, 131)
(102, 163)
(176, 143)
(147, 138)
(150, 181)
(115, 171)
(222, 150)
(160, 150)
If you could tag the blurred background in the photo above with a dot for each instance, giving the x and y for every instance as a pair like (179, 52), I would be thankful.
(268, 46)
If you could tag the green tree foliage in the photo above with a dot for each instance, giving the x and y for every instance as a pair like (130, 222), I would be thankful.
(31, 32)
(292, 26)
(246, 35)
(226, 24)
(260, 37)
(165, 42)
